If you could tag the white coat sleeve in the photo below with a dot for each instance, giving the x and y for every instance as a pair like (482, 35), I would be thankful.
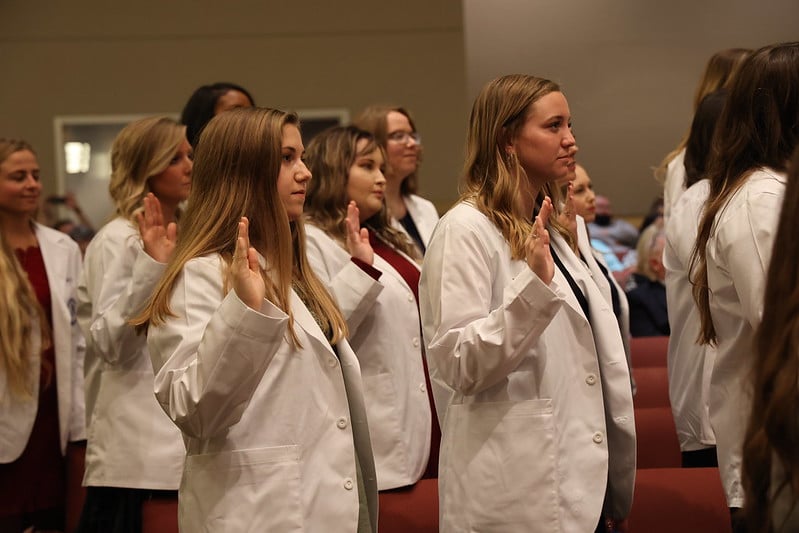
(210, 357)
(746, 242)
(118, 280)
(471, 346)
(354, 290)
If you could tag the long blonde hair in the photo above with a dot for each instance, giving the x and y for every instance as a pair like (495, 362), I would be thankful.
(330, 156)
(493, 178)
(237, 162)
(19, 313)
(721, 68)
(142, 149)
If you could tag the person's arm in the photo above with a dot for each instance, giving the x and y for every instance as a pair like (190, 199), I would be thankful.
(470, 346)
(210, 357)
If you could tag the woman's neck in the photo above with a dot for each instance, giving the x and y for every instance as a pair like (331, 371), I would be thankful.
(170, 212)
(395, 203)
(18, 231)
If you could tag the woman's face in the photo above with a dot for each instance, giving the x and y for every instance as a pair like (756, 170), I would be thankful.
(231, 100)
(20, 187)
(366, 184)
(583, 191)
(544, 144)
(172, 186)
(402, 147)
(292, 181)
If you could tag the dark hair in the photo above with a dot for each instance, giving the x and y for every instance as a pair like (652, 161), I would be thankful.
(772, 434)
(201, 105)
(699, 147)
(758, 127)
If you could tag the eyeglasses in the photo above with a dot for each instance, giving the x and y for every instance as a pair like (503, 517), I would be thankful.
(404, 136)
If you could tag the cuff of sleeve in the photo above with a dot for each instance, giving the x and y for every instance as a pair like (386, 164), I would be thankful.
(249, 322)
(369, 269)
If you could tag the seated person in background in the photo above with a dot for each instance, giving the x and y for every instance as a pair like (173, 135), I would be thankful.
(655, 215)
(617, 233)
(648, 312)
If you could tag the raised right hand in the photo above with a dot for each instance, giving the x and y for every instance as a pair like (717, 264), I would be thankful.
(246, 273)
(358, 237)
(539, 257)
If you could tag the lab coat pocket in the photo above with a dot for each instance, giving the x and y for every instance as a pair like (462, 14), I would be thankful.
(244, 490)
(499, 465)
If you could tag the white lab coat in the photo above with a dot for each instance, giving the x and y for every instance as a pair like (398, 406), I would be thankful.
(674, 184)
(540, 427)
(689, 364)
(383, 320)
(424, 216)
(63, 264)
(123, 416)
(738, 255)
(271, 430)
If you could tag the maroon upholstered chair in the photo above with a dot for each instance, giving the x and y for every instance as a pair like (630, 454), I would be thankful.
(649, 351)
(159, 516)
(688, 500)
(658, 446)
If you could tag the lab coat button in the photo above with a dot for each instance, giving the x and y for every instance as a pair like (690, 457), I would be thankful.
(348, 484)
(331, 362)
(410, 297)
(416, 342)
(341, 423)
(423, 387)
(590, 379)
(598, 437)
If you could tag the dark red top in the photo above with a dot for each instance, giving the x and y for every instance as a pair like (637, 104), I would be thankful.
(36, 480)
(410, 273)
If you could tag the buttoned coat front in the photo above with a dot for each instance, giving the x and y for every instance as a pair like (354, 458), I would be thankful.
(271, 429)
(383, 320)
(539, 434)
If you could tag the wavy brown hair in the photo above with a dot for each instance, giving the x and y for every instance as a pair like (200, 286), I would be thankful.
(236, 167)
(773, 430)
(758, 127)
(330, 157)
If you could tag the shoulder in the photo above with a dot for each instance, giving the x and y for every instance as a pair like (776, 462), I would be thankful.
(48, 237)
(118, 232)
(422, 204)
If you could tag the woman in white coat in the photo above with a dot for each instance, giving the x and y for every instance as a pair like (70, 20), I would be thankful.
(250, 352)
(41, 351)
(396, 133)
(754, 139)
(151, 163)
(689, 363)
(539, 434)
(370, 270)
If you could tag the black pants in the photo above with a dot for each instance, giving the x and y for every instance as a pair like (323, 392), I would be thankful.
(706, 457)
(116, 510)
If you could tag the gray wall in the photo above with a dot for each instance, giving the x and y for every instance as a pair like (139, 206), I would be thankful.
(84, 57)
(629, 69)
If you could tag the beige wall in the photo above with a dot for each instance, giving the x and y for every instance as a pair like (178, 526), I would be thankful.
(629, 69)
(82, 57)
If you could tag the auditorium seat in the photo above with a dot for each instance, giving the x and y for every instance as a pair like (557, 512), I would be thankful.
(688, 500)
(159, 516)
(658, 446)
(410, 510)
(652, 387)
(649, 351)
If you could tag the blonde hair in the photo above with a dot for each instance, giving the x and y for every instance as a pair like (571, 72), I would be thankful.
(719, 72)
(19, 313)
(330, 157)
(235, 174)
(493, 178)
(374, 119)
(142, 149)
